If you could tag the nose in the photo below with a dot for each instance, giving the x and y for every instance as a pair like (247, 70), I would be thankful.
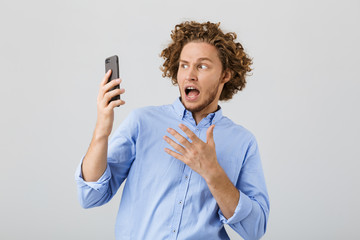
(191, 74)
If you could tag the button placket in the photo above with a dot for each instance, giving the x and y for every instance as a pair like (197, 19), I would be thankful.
(181, 196)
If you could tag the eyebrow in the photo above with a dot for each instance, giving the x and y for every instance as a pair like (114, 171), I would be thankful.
(198, 60)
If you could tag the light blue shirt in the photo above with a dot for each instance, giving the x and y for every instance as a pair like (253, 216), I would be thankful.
(165, 199)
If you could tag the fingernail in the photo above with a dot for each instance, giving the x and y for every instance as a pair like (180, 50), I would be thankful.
(118, 80)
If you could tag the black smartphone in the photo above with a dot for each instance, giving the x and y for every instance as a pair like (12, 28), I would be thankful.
(113, 64)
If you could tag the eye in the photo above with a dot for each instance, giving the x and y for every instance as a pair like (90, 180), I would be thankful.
(183, 65)
(203, 66)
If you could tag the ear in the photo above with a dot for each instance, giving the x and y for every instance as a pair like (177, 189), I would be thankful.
(226, 76)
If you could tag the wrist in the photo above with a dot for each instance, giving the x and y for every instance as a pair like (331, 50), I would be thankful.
(100, 134)
(213, 177)
(101, 131)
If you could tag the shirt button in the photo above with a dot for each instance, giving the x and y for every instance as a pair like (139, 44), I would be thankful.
(173, 230)
(186, 177)
(197, 129)
(180, 202)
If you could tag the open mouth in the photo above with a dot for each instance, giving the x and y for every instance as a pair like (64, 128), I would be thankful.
(191, 92)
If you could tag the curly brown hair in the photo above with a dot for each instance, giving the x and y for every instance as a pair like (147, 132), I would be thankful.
(231, 53)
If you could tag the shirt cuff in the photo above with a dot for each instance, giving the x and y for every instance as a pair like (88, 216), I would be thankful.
(104, 179)
(242, 210)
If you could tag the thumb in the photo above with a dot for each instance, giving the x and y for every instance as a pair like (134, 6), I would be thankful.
(210, 135)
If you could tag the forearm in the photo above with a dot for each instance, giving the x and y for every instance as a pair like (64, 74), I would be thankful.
(225, 193)
(95, 160)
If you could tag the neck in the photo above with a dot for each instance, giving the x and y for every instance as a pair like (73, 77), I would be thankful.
(198, 116)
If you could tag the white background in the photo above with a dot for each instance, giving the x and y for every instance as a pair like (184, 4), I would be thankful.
(301, 103)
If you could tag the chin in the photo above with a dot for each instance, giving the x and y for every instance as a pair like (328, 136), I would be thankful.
(194, 107)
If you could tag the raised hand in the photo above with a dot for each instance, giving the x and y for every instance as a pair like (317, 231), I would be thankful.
(198, 155)
(105, 108)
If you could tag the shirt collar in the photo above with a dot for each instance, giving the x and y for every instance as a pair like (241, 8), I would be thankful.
(182, 113)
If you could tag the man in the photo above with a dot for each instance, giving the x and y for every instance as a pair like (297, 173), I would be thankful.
(189, 169)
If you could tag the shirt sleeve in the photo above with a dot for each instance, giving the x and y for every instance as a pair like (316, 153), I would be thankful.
(251, 214)
(120, 155)
(91, 194)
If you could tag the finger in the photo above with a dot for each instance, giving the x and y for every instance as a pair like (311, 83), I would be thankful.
(210, 135)
(113, 93)
(106, 78)
(116, 103)
(176, 146)
(109, 95)
(179, 137)
(110, 85)
(189, 133)
(175, 154)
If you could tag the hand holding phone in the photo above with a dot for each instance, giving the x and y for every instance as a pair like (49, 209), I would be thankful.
(106, 101)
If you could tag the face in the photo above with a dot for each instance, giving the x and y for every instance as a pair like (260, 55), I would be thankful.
(200, 77)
